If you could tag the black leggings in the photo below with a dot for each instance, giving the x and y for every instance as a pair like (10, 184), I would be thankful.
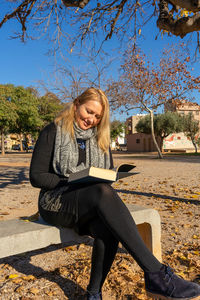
(104, 216)
(108, 220)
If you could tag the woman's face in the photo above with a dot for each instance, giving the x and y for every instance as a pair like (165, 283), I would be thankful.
(89, 114)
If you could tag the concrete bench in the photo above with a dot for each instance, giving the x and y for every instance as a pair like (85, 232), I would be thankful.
(18, 236)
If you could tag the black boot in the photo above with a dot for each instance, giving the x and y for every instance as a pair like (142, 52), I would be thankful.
(164, 284)
(97, 296)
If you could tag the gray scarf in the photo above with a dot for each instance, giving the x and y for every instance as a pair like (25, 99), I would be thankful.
(66, 153)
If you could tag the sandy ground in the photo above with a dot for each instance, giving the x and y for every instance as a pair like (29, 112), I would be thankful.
(171, 185)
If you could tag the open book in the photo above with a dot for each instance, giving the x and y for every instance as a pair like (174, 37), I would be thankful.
(94, 174)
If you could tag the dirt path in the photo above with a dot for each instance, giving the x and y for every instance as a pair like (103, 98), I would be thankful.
(171, 185)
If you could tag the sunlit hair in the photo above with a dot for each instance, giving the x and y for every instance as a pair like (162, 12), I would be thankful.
(67, 116)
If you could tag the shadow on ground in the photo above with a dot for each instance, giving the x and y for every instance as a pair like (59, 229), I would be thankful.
(12, 176)
(23, 265)
(196, 202)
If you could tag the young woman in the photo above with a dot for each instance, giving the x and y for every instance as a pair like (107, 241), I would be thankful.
(78, 138)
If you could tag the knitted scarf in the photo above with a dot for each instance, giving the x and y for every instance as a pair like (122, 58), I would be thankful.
(66, 153)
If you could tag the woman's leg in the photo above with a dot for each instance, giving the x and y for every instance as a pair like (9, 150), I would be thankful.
(104, 250)
(101, 200)
(160, 281)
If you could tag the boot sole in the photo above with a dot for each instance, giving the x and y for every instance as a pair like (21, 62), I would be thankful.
(158, 297)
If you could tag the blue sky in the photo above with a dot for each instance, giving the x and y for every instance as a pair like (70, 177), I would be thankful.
(26, 64)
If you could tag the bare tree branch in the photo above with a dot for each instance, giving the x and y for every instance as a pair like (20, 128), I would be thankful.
(115, 19)
(106, 17)
(23, 8)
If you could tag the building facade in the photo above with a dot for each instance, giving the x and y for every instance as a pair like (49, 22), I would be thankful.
(178, 141)
(140, 142)
(184, 108)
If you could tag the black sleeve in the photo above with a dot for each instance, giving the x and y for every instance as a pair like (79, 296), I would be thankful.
(42, 174)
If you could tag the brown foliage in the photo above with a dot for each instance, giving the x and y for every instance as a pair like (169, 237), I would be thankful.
(146, 86)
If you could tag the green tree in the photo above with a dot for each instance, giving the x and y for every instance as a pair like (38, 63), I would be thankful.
(164, 124)
(116, 129)
(28, 119)
(144, 125)
(7, 112)
(191, 129)
(49, 106)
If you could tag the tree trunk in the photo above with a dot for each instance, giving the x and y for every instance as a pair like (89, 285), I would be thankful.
(21, 146)
(153, 135)
(195, 145)
(2, 143)
(26, 142)
(161, 143)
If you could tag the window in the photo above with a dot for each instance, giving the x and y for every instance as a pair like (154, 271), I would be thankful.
(137, 141)
(197, 112)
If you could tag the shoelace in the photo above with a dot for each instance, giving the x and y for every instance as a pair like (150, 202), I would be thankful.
(169, 271)
(168, 277)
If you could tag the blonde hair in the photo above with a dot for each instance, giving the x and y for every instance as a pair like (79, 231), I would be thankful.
(103, 128)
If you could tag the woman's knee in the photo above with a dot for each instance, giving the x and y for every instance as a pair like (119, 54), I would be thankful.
(104, 189)
(103, 193)
(108, 197)
(96, 191)
(96, 196)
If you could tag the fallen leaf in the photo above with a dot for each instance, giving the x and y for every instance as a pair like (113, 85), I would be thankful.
(11, 276)
(194, 196)
(195, 236)
(31, 218)
(181, 274)
(17, 280)
(70, 248)
(28, 277)
(34, 291)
